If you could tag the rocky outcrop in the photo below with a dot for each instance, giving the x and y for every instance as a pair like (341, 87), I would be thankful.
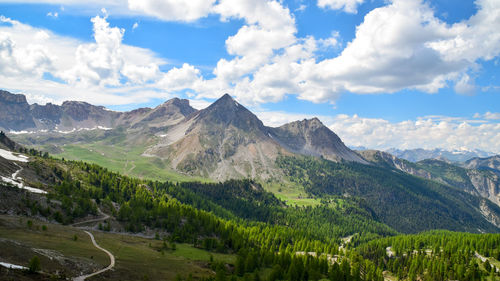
(15, 112)
(489, 214)
(486, 184)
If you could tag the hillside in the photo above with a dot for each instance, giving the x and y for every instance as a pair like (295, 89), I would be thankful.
(402, 201)
(477, 180)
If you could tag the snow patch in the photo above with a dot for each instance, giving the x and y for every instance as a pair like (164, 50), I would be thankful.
(17, 181)
(20, 185)
(83, 129)
(12, 266)
(11, 156)
(20, 132)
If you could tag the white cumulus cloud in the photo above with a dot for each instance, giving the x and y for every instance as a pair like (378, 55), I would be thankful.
(173, 10)
(349, 6)
(425, 132)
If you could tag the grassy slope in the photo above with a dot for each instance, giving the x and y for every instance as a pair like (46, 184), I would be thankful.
(111, 150)
(127, 161)
(136, 258)
(19, 241)
(135, 165)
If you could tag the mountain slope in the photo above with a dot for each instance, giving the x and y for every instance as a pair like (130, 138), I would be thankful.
(483, 183)
(402, 201)
(490, 163)
(226, 140)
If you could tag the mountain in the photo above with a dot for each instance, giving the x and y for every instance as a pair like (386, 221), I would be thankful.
(226, 140)
(15, 112)
(222, 141)
(490, 164)
(484, 183)
(311, 137)
(404, 202)
(415, 155)
(17, 115)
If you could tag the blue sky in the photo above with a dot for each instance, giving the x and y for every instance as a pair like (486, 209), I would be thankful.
(401, 73)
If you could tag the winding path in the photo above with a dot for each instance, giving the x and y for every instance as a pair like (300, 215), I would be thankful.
(110, 266)
(105, 217)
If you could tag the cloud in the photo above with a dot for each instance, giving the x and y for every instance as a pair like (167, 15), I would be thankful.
(348, 6)
(105, 72)
(136, 25)
(301, 8)
(99, 63)
(401, 45)
(19, 59)
(278, 118)
(269, 27)
(53, 14)
(488, 115)
(177, 79)
(173, 10)
(425, 132)
(465, 86)
(199, 103)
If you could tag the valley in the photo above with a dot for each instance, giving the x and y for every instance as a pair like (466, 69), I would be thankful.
(216, 195)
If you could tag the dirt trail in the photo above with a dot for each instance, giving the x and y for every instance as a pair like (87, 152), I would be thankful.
(105, 217)
(110, 266)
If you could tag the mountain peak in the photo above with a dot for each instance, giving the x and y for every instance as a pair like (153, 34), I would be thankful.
(225, 101)
(226, 96)
(311, 137)
(227, 111)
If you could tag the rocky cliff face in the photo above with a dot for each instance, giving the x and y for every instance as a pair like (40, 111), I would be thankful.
(486, 184)
(15, 112)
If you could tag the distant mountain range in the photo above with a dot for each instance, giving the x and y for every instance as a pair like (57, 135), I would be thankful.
(419, 154)
(224, 140)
